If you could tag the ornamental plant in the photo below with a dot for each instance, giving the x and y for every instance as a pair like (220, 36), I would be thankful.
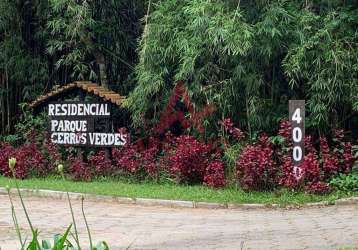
(319, 187)
(24, 158)
(322, 161)
(138, 157)
(149, 157)
(180, 114)
(330, 162)
(126, 158)
(100, 164)
(343, 151)
(37, 157)
(310, 167)
(229, 132)
(263, 166)
(34, 160)
(189, 159)
(215, 174)
(7, 151)
(227, 125)
(346, 183)
(78, 169)
(255, 167)
(192, 161)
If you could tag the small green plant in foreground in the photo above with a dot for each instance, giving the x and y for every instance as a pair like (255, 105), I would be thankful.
(60, 242)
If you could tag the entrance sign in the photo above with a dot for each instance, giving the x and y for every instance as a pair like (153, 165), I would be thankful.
(297, 119)
(78, 109)
(75, 123)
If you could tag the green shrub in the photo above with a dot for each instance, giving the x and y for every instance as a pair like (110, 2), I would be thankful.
(346, 183)
(230, 156)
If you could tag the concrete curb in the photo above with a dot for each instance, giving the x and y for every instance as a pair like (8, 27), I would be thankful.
(172, 203)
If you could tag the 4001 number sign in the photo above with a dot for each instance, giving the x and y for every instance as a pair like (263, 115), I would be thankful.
(297, 119)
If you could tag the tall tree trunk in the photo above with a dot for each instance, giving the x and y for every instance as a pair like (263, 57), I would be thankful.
(7, 101)
(100, 60)
(248, 115)
(102, 68)
(2, 102)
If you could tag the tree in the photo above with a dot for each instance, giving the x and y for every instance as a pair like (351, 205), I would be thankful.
(48, 42)
(23, 69)
(249, 58)
(89, 37)
(323, 62)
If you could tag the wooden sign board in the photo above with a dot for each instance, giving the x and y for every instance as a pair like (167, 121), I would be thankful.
(297, 119)
(77, 124)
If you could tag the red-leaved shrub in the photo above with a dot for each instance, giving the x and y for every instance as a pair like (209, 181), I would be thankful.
(37, 157)
(215, 174)
(33, 159)
(318, 166)
(330, 164)
(229, 128)
(6, 152)
(289, 178)
(101, 165)
(126, 158)
(255, 167)
(188, 159)
(310, 168)
(285, 130)
(343, 151)
(136, 157)
(348, 159)
(52, 152)
(29, 160)
(318, 187)
(21, 168)
(174, 116)
(149, 160)
(78, 169)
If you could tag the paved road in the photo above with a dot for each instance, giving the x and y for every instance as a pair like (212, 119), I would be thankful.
(136, 227)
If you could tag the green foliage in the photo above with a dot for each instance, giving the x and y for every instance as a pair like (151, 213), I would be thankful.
(94, 38)
(231, 154)
(246, 57)
(59, 242)
(44, 43)
(323, 62)
(355, 153)
(346, 183)
(71, 26)
(175, 46)
(23, 69)
(12, 139)
(28, 122)
(249, 59)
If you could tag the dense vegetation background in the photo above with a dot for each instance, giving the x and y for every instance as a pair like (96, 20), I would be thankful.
(246, 57)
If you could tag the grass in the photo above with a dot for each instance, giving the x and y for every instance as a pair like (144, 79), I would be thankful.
(172, 192)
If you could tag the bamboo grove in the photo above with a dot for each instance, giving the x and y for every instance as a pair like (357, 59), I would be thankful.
(248, 58)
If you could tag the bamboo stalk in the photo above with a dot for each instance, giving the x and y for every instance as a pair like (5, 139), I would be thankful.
(7, 101)
(2, 101)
